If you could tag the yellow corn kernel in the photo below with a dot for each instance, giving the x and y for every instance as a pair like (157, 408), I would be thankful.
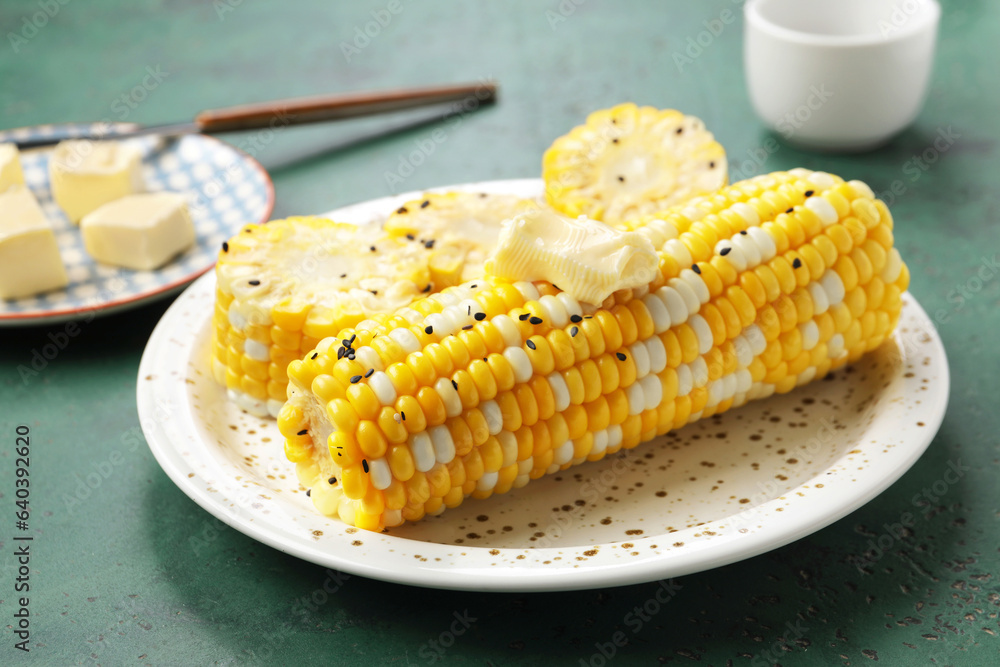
(327, 388)
(461, 435)
(432, 406)
(418, 489)
(395, 495)
(439, 480)
(370, 439)
(354, 481)
(730, 317)
(502, 372)
(410, 415)
(363, 400)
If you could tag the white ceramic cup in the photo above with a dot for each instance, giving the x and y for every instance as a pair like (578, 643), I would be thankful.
(839, 75)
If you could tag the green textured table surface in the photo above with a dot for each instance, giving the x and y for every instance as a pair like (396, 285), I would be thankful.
(114, 578)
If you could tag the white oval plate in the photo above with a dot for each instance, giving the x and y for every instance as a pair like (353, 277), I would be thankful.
(225, 187)
(718, 491)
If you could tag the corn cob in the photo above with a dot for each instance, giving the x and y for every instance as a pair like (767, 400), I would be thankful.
(316, 277)
(628, 161)
(284, 286)
(461, 227)
(761, 286)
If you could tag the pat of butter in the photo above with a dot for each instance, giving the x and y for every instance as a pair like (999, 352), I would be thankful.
(87, 174)
(10, 167)
(140, 231)
(587, 259)
(29, 255)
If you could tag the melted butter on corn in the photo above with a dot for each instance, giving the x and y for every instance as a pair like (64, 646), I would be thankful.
(461, 227)
(763, 286)
(587, 259)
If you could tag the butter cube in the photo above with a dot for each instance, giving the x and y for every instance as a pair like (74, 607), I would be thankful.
(87, 174)
(140, 231)
(10, 167)
(29, 255)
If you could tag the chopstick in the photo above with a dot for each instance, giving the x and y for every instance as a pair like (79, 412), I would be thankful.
(298, 111)
(337, 107)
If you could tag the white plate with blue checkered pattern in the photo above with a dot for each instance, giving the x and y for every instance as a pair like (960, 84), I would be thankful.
(226, 189)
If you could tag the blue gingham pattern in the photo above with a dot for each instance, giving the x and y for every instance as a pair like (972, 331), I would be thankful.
(226, 189)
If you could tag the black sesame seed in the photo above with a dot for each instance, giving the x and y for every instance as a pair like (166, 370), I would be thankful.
(614, 141)
(402, 415)
(725, 251)
(535, 320)
(340, 353)
(480, 317)
(248, 230)
(369, 372)
(254, 282)
(346, 342)
(350, 342)
(332, 480)
(575, 318)
(468, 310)
(429, 244)
(401, 209)
(574, 331)
(789, 209)
(680, 130)
(428, 329)
(374, 291)
(350, 355)
(364, 464)
(425, 204)
(454, 384)
(467, 327)
(428, 288)
(621, 179)
(796, 263)
(303, 431)
(694, 267)
(343, 275)
(355, 379)
(309, 492)
(523, 316)
(473, 286)
(620, 355)
(810, 193)
(711, 165)
(589, 317)
(410, 237)
(225, 246)
(743, 232)
(372, 248)
(530, 344)
(315, 354)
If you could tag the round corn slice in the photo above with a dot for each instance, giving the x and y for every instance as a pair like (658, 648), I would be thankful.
(284, 286)
(461, 228)
(628, 161)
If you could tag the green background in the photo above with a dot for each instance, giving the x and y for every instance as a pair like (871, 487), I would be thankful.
(115, 579)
